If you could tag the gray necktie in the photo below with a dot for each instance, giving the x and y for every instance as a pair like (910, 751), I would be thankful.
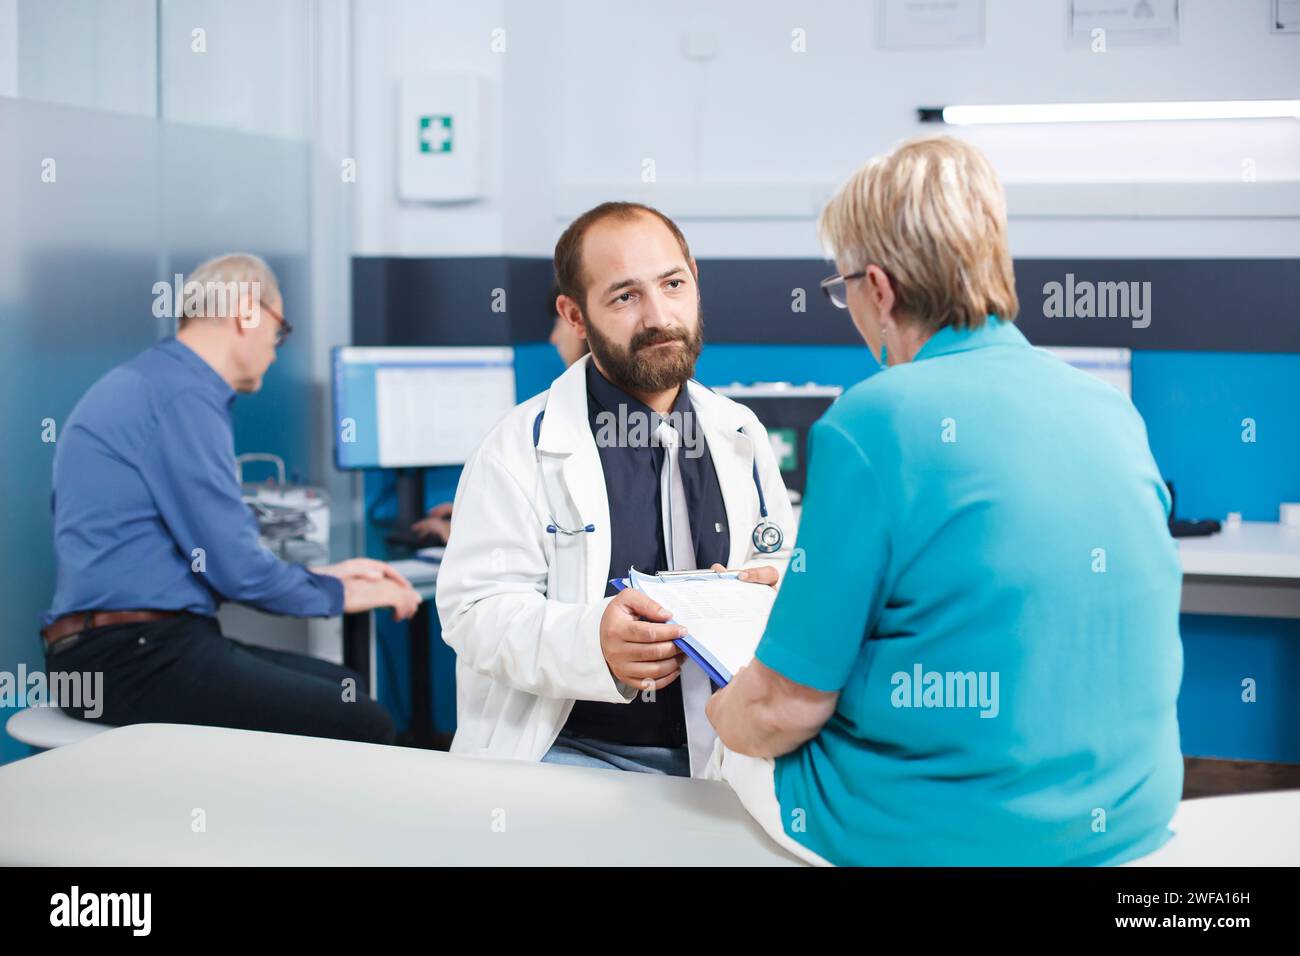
(672, 494)
(696, 686)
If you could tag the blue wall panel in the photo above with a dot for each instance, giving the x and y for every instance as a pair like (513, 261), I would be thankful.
(1219, 653)
(1194, 404)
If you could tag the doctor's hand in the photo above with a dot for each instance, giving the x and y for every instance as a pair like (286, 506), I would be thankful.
(763, 574)
(366, 594)
(640, 653)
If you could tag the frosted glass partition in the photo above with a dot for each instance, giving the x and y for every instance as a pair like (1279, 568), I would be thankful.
(78, 256)
(239, 64)
(94, 53)
(128, 202)
(222, 191)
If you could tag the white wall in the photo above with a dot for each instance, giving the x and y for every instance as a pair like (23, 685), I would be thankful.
(393, 39)
(588, 90)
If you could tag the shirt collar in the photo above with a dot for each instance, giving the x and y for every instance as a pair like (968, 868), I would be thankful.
(951, 339)
(192, 360)
(609, 397)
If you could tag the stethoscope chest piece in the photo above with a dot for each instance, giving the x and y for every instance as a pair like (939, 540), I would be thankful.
(768, 537)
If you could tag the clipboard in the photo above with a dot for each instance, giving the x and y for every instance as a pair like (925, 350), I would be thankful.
(700, 655)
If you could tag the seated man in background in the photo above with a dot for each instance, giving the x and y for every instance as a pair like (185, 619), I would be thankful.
(151, 534)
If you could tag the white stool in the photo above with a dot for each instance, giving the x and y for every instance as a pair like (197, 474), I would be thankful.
(49, 727)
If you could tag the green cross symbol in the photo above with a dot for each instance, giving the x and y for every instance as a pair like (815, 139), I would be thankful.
(435, 134)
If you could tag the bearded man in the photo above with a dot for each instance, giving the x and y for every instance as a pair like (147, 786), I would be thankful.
(624, 462)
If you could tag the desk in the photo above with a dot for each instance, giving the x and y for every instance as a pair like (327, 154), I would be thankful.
(126, 797)
(1252, 570)
(359, 643)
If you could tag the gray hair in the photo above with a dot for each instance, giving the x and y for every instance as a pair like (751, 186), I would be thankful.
(213, 289)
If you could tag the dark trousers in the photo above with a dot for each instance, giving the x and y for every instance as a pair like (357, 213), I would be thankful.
(183, 670)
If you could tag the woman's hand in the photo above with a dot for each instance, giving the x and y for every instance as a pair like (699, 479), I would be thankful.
(763, 574)
(762, 713)
(717, 705)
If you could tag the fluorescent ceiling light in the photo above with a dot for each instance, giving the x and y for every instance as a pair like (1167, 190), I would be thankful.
(1111, 112)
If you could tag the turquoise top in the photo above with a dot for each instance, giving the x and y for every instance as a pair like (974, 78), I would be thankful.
(985, 574)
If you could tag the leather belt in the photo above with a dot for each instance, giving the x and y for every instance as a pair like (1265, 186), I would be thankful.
(80, 621)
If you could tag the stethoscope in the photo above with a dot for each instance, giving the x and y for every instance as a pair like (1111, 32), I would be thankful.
(767, 535)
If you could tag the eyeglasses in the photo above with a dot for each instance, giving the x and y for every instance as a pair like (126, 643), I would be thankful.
(285, 328)
(836, 288)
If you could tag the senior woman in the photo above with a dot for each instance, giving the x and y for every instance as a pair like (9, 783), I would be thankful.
(980, 660)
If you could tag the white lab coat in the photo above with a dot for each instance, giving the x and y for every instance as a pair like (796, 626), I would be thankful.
(522, 607)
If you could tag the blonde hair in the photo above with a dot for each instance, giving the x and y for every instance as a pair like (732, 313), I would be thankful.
(933, 216)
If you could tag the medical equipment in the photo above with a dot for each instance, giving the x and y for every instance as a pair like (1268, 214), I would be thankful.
(554, 527)
(294, 523)
(767, 535)
(292, 520)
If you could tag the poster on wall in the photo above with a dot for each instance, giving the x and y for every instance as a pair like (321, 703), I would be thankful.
(1100, 24)
(1286, 16)
(929, 24)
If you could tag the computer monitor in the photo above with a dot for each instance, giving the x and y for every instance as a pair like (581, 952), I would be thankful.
(787, 412)
(416, 407)
(1114, 366)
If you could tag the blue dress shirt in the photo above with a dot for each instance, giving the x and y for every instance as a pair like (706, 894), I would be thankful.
(147, 508)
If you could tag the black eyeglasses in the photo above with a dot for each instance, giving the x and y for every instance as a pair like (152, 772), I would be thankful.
(836, 288)
(285, 328)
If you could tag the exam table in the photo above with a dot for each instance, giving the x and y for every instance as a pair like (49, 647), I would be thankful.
(132, 796)
(163, 794)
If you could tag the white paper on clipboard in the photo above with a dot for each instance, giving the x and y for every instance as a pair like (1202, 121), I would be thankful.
(724, 616)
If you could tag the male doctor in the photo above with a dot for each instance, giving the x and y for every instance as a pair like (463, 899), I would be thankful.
(625, 461)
